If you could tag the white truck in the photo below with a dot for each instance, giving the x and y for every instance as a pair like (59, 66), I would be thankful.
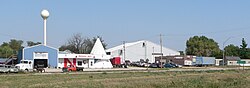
(25, 65)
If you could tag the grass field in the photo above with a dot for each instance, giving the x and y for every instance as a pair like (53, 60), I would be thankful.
(208, 79)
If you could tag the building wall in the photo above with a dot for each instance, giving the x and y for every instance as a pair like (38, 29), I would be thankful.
(19, 55)
(83, 61)
(232, 63)
(139, 51)
(52, 54)
(218, 62)
(246, 60)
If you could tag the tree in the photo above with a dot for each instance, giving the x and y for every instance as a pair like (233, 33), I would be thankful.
(31, 43)
(10, 48)
(80, 45)
(181, 52)
(244, 51)
(232, 50)
(202, 46)
(5, 44)
(89, 44)
(16, 45)
(6, 51)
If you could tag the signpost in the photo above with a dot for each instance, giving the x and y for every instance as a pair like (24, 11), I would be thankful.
(241, 62)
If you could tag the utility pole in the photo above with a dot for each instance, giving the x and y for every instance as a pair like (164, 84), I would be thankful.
(124, 56)
(153, 58)
(225, 50)
(145, 46)
(161, 50)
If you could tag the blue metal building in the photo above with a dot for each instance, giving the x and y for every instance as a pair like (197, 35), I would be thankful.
(40, 54)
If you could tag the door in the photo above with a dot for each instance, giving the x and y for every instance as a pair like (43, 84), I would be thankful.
(40, 63)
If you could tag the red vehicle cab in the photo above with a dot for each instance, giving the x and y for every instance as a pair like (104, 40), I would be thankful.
(69, 68)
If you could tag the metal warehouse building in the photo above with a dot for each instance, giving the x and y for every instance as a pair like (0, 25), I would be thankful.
(144, 49)
(40, 54)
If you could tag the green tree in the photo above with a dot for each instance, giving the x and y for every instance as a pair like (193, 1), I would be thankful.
(6, 51)
(31, 43)
(5, 44)
(244, 51)
(202, 46)
(232, 50)
(181, 52)
(16, 45)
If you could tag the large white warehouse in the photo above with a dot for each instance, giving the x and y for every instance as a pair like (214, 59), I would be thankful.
(144, 49)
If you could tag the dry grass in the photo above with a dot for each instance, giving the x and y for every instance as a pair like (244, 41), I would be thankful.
(210, 79)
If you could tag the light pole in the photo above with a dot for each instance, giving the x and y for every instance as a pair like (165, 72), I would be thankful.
(45, 15)
(161, 49)
(124, 52)
(224, 50)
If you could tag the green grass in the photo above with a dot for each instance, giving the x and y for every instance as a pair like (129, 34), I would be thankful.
(202, 79)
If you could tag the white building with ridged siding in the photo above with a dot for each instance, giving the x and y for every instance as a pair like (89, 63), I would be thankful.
(143, 49)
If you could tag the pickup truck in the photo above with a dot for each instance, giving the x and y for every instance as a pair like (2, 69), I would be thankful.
(71, 68)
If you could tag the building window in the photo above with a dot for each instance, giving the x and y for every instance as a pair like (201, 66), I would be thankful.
(143, 44)
(79, 63)
(108, 53)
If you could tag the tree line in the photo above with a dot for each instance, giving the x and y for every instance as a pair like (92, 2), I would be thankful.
(196, 45)
(76, 44)
(203, 46)
(12, 47)
(81, 45)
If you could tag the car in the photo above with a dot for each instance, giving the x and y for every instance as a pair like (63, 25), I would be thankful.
(13, 69)
(4, 69)
(170, 65)
(153, 65)
(179, 66)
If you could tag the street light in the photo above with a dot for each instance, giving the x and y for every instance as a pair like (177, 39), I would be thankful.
(224, 50)
(45, 15)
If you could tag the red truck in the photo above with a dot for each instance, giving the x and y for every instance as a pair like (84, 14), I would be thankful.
(117, 63)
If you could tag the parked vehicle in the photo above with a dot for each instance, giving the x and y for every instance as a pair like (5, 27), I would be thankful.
(4, 69)
(169, 65)
(71, 68)
(12, 69)
(154, 65)
(25, 65)
(172, 65)
(117, 63)
(204, 61)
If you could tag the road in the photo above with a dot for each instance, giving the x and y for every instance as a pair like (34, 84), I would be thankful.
(132, 69)
(140, 69)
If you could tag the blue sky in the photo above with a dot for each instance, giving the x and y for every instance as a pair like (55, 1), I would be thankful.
(127, 20)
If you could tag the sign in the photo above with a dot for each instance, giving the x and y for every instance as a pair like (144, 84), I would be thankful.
(157, 54)
(241, 62)
(40, 55)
